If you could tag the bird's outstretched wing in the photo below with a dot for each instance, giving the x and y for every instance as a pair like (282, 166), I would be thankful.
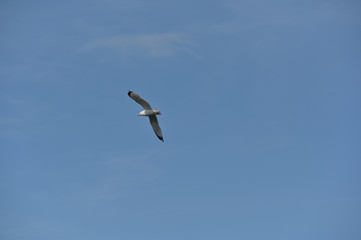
(155, 125)
(139, 100)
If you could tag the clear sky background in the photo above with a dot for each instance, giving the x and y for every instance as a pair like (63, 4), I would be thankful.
(261, 120)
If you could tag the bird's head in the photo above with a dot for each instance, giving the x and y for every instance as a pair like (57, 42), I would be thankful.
(129, 92)
(157, 111)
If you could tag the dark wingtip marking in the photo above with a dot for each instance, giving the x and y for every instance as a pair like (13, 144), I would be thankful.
(160, 138)
(129, 92)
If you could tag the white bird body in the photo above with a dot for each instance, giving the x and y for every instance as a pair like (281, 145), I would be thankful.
(149, 112)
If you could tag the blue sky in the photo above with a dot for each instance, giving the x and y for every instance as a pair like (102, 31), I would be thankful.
(261, 120)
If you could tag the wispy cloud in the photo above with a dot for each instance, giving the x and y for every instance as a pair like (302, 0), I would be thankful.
(164, 44)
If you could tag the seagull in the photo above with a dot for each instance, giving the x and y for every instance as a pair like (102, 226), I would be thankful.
(148, 111)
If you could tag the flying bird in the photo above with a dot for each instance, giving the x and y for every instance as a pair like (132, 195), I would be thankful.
(148, 111)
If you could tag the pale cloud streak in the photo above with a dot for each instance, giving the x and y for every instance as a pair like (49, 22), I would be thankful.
(164, 44)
